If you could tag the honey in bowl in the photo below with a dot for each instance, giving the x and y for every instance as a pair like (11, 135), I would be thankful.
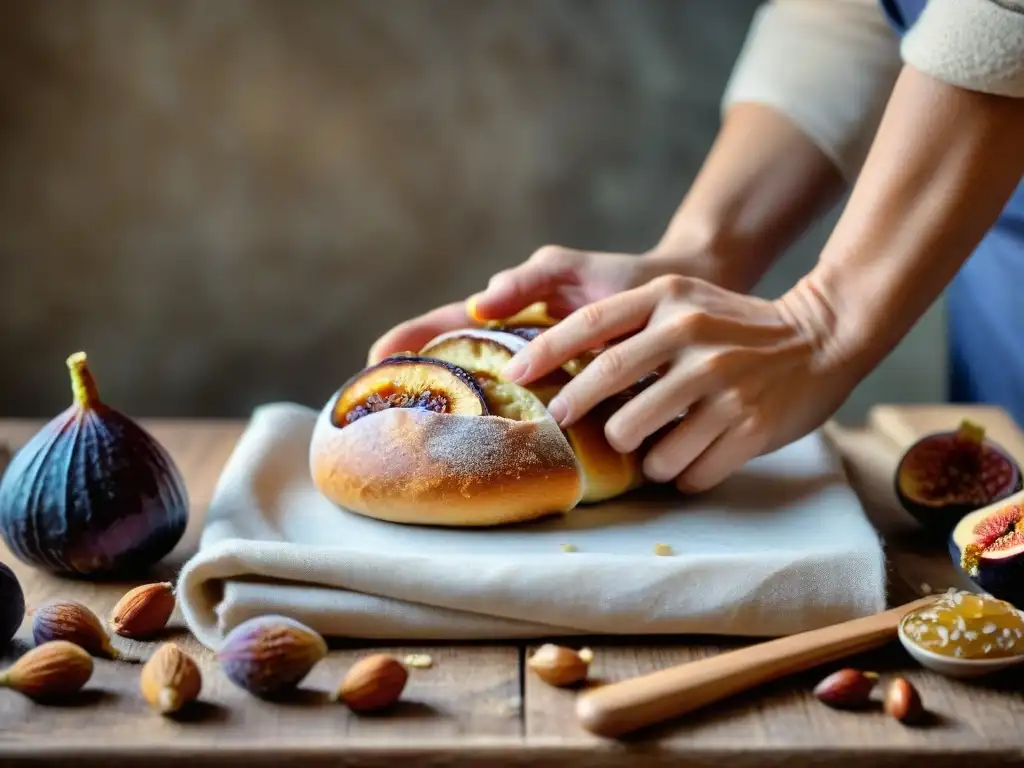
(965, 625)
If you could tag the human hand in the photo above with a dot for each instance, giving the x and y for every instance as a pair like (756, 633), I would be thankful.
(750, 374)
(563, 278)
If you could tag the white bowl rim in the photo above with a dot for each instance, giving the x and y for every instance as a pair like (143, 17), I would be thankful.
(1002, 661)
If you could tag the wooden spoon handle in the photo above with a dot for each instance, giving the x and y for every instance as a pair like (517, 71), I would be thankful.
(619, 708)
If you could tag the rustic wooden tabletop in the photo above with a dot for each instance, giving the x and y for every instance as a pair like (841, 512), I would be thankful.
(478, 704)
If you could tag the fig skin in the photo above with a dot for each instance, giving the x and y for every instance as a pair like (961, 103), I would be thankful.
(941, 517)
(12, 605)
(92, 493)
(1002, 578)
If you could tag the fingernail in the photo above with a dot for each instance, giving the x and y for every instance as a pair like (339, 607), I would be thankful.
(515, 369)
(558, 410)
(471, 307)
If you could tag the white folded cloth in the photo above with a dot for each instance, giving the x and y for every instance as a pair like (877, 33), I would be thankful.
(782, 546)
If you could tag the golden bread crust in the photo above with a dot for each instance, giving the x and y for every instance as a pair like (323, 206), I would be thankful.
(425, 468)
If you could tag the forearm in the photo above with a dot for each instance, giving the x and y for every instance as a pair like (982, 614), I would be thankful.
(942, 167)
(763, 182)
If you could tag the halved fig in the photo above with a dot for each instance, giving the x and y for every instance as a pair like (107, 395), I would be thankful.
(484, 353)
(409, 382)
(944, 476)
(987, 545)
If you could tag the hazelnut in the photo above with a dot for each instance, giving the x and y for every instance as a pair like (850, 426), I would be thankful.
(903, 702)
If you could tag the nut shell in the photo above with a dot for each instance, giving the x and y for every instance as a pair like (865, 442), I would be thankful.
(373, 683)
(170, 679)
(267, 655)
(559, 666)
(51, 670)
(143, 611)
(72, 621)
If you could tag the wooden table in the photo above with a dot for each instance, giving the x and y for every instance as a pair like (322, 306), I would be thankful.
(478, 706)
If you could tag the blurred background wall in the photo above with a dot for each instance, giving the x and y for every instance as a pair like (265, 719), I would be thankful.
(225, 203)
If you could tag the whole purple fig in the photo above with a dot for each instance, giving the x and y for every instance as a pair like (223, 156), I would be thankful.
(92, 492)
(12, 605)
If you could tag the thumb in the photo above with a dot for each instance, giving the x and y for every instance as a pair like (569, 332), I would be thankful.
(513, 290)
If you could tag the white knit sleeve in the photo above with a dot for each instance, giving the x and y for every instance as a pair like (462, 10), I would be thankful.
(828, 65)
(974, 44)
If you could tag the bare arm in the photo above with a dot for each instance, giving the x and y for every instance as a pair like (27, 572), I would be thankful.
(943, 165)
(763, 182)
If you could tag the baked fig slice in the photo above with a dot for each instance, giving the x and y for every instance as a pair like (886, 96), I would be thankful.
(408, 381)
(987, 545)
(484, 354)
(946, 475)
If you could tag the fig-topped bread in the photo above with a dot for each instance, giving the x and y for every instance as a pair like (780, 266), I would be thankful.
(438, 437)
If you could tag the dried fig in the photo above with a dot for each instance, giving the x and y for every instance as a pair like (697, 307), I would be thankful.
(270, 654)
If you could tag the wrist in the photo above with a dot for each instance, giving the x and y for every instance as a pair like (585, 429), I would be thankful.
(704, 248)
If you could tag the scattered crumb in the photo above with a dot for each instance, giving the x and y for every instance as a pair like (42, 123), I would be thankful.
(586, 655)
(926, 588)
(569, 548)
(662, 549)
(419, 661)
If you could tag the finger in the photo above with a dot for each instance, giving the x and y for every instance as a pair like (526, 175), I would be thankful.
(726, 455)
(512, 290)
(613, 370)
(587, 328)
(412, 335)
(675, 452)
(654, 407)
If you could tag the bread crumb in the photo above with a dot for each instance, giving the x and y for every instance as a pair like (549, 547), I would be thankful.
(569, 548)
(586, 655)
(662, 549)
(418, 661)
(926, 588)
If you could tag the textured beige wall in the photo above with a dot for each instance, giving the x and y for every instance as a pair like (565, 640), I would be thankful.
(225, 202)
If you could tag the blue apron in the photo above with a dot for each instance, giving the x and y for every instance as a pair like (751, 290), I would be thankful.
(985, 305)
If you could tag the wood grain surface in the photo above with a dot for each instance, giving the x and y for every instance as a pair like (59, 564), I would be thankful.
(478, 704)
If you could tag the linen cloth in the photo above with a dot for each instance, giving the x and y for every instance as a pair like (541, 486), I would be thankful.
(781, 547)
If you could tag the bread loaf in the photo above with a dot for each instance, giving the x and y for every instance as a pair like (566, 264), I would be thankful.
(437, 437)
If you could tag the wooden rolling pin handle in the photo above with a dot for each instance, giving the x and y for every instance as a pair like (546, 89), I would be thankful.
(619, 708)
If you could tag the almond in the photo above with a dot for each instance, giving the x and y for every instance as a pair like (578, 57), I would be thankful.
(373, 683)
(560, 666)
(143, 611)
(845, 689)
(51, 670)
(170, 679)
(903, 702)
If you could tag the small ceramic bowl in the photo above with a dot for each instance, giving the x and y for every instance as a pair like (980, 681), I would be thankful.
(950, 666)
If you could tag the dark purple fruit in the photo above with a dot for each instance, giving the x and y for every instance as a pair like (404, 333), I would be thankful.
(944, 476)
(987, 545)
(409, 382)
(92, 492)
(12, 605)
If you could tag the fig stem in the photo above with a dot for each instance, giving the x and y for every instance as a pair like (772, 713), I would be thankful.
(83, 386)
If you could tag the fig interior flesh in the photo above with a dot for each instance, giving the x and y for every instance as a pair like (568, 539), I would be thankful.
(410, 382)
(956, 469)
